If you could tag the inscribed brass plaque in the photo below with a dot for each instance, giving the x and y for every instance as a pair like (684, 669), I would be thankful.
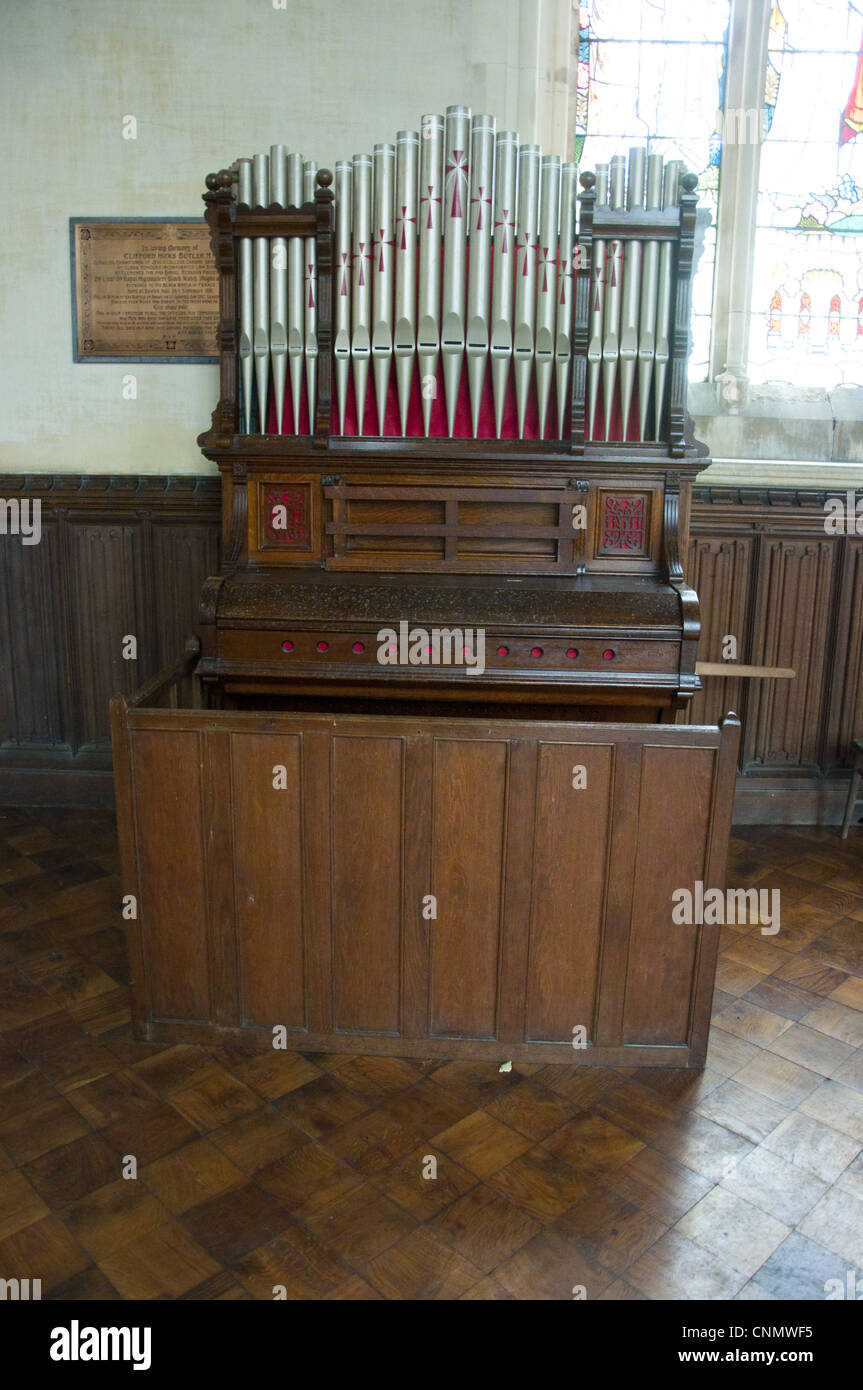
(144, 290)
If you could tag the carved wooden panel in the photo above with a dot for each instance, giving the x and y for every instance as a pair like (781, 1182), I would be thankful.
(284, 520)
(117, 557)
(33, 704)
(107, 591)
(845, 671)
(380, 895)
(720, 571)
(791, 628)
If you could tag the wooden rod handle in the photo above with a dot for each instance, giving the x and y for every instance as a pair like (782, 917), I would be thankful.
(730, 668)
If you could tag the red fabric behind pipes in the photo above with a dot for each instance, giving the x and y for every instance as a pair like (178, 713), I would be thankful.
(462, 428)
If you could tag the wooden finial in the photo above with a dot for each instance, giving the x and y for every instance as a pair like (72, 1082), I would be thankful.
(325, 178)
(689, 183)
(587, 180)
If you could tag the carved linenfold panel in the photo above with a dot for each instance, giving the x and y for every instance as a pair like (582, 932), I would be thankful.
(108, 589)
(182, 552)
(721, 571)
(792, 629)
(33, 664)
(846, 689)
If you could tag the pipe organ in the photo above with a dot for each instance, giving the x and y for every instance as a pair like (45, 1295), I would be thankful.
(450, 618)
(455, 254)
(453, 377)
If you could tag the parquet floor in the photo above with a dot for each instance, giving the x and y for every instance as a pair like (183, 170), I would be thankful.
(307, 1172)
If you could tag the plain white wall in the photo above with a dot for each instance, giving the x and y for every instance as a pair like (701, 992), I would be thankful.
(207, 80)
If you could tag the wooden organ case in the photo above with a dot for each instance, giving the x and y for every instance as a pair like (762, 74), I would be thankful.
(421, 790)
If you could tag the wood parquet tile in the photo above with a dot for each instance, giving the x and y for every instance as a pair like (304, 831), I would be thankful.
(355, 1178)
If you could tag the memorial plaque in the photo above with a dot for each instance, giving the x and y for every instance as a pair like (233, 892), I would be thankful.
(143, 290)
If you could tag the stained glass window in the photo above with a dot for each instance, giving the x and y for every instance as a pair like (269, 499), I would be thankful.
(807, 303)
(652, 71)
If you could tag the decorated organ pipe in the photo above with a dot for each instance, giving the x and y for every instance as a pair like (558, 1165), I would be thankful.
(546, 283)
(455, 253)
(649, 290)
(405, 255)
(503, 281)
(631, 286)
(342, 286)
(431, 202)
(525, 276)
(246, 299)
(455, 215)
(261, 340)
(597, 302)
(479, 267)
(613, 292)
(279, 286)
(361, 293)
(565, 293)
(662, 350)
(296, 310)
(383, 241)
(310, 299)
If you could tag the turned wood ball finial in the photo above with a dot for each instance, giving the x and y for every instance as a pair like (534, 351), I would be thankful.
(325, 178)
(587, 180)
(218, 182)
(689, 183)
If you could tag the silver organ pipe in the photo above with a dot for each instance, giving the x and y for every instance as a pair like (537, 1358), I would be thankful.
(457, 244)
(649, 288)
(503, 281)
(525, 276)
(613, 292)
(296, 310)
(279, 286)
(310, 300)
(361, 289)
(383, 242)
(261, 338)
(246, 298)
(565, 293)
(479, 265)
(673, 170)
(631, 288)
(455, 216)
(343, 179)
(405, 330)
(546, 283)
(597, 301)
(431, 201)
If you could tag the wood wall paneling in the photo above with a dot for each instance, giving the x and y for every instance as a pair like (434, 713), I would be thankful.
(123, 555)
